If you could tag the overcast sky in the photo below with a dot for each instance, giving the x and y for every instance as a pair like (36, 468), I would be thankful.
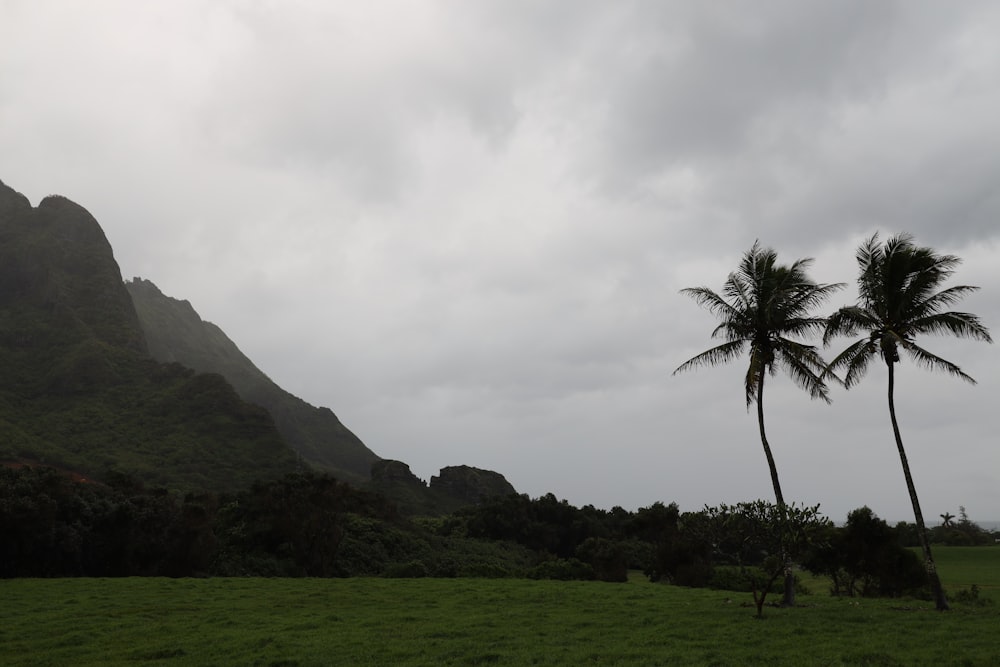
(463, 225)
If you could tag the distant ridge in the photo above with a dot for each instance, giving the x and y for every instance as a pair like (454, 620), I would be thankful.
(174, 332)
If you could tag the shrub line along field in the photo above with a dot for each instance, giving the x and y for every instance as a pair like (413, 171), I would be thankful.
(372, 621)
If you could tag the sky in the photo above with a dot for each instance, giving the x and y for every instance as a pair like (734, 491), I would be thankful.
(464, 225)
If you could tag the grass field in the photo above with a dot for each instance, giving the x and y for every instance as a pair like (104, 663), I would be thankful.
(174, 622)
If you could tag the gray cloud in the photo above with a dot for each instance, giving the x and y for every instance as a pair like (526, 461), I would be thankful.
(463, 226)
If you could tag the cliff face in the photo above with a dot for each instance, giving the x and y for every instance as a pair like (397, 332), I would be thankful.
(77, 386)
(176, 333)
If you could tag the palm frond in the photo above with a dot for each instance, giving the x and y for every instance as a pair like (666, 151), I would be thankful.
(803, 326)
(934, 303)
(740, 289)
(960, 325)
(923, 272)
(855, 360)
(719, 354)
(708, 299)
(810, 295)
(848, 321)
(805, 366)
(934, 362)
(870, 256)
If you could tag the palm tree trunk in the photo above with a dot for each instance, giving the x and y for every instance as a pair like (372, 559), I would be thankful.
(789, 597)
(939, 599)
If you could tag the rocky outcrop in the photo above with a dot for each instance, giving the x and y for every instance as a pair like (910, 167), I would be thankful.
(471, 485)
(388, 471)
(453, 488)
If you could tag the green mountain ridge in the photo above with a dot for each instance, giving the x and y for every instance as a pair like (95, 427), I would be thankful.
(174, 332)
(78, 389)
(101, 376)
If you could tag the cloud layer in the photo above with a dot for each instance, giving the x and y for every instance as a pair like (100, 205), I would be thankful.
(463, 226)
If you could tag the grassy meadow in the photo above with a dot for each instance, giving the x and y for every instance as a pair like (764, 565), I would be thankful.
(368, 621)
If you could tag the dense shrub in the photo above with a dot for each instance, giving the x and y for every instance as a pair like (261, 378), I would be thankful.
(681, 552)
(865, 558)
(607, 558)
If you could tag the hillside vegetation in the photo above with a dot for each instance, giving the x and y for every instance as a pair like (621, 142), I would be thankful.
(78, 389)
(174, 332)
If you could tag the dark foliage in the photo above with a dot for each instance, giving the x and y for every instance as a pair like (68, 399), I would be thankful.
(681, 555)
(544, 524)
(309, 524)
(865, 558)
(304, 524)
(608, 559)
(55, 526)
(963, 533)
(291, 527)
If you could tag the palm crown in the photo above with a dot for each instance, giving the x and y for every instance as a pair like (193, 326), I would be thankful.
(762, 306)
(897, 300)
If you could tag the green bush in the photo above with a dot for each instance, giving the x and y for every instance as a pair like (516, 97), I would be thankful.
(608, 558)
(972, 598)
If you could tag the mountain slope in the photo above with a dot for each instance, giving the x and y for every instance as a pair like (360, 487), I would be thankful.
(174, 332)
(78, 388)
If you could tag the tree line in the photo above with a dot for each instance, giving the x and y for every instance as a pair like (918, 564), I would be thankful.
(766, 310)
(309, 524)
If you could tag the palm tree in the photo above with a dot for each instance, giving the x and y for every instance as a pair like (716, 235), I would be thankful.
(946, 519)
(762, 308)
(897, 300)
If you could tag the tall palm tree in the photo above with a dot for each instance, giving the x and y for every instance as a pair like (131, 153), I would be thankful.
(898, 300)
(763, 307)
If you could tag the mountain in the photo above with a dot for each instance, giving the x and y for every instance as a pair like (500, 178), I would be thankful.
(174, 332)
(78, 387)
(99, 377)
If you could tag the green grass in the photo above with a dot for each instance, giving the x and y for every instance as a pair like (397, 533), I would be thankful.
(174, 622)
(961, 567)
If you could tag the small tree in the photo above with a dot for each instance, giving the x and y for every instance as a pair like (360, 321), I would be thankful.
(763, 535)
